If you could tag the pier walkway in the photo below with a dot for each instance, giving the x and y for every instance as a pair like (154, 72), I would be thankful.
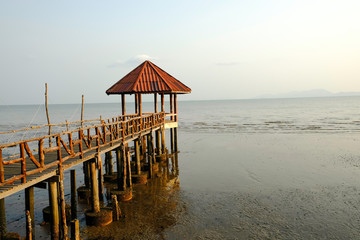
(40, 158)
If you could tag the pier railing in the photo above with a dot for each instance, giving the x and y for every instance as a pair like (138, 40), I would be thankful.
(69, 144)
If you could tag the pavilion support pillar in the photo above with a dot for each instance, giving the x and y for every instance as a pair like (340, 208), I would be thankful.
(2, 219)
(123, 104)
(162, 130)
(54, 208)
(175, 119)
(96, 216)
(29, 206)
(136, 103)
(139, 104)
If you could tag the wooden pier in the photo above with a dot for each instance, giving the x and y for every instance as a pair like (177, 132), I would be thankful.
(44, 159)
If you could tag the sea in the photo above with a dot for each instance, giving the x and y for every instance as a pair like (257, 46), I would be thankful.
(248, 169)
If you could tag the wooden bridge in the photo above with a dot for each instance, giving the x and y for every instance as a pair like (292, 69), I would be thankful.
(69, 148)
(27, 163)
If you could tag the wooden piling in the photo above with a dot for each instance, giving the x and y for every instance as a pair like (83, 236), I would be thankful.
(150, 154)
(127, 159)
(62, 203)
(29, 208)
(2, 218)
(100, 177)
(29, 226)
(86, 174)
(54, 209)
(158, 142)
(121, 170)
(75, 235)
(137, 156)
(82, 110)
(115, 208)
(73, 194)
(163, 145)
(175, 130)
(110, 167)
(95, 201)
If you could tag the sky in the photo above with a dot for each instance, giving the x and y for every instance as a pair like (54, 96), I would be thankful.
(220, 49)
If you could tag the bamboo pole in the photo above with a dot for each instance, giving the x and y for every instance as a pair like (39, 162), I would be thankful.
(47, 113)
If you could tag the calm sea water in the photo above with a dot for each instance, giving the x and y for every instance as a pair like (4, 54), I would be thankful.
(249, 169)
(330, 115)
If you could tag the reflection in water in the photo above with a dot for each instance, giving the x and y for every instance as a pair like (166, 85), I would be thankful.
(152, 209)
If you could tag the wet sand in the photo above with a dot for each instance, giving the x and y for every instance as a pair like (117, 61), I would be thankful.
(244, 186)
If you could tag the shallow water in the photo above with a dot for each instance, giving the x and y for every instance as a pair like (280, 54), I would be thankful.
(249, 169)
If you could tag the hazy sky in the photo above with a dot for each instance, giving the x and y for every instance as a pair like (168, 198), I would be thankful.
(220, 49)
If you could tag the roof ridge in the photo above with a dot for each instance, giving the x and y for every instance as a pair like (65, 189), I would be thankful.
(166, 83)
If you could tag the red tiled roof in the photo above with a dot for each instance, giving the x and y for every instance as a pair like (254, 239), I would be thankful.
(148, 78)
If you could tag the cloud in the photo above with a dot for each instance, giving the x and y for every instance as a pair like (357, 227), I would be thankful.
(132, 61)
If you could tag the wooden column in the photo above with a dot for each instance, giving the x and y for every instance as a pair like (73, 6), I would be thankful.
(162, 103)
(150, 153)
(175, 107)
(171, 105)
(100, 177)
(155, 102)
(128, 166)
(140, 104)
(29, 206)
(137, 156)
(95, 201)
(75, 235)
(121, 168)
(123, 104)
(136, 103)
(176, 119)
(162, 128)
(158, 141)
(2, 218)
(73, 194)
(86, 174)
(62, 203)
(54, 209)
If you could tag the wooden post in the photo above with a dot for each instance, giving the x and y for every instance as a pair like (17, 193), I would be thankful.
(137, 156)
(123, 104)
(75, 230)
(175, 140)
(86, 174)
(127, 159)
(150, 153)
(73, 194)
(162, 103)
(121, 168)
(158, 141)
(163, 147)
(175, 107)
(95, 202)
(115, 208)
(82, 110)
(171, 106)
(155, 102)
(109, 163)
(136, 103)
(2, 218)
(29, 207)
(140, 104)
(47, 113)
(100, 177)
(54, 210)
(29, 226)
(62, 203)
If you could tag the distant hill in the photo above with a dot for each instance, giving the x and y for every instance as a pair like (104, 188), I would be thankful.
(309, 94)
